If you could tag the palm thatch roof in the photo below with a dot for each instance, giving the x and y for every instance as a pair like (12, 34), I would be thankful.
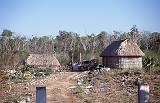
(125, 47)
(42, 60)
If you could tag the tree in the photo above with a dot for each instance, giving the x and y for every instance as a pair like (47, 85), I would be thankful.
(7, 33)
(6, 40)
(134, 34)
(103, 40)
(154, 38)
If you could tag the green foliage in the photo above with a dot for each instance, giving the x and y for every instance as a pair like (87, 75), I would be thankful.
(14, 97)
(7, 33)
(38, 74)
(26, 68)
(149, 53)
(68, 45)
(13, 59)
(19, 80)
(150, 60)
(43, 72)
(157, 63)
(48, 71)
(78, 91)
(25, 73)
(3, 76)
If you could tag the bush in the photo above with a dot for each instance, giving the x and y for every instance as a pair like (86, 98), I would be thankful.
(26, 68)
(48, 71)
(18, 80)
(148, 62)
(3, 76)
(151, 59)
(38, 74)
(157, 63)
(42, 72)
(78, 91)
(14, 97)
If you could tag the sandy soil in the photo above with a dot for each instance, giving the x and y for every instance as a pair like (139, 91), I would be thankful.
(58, 88)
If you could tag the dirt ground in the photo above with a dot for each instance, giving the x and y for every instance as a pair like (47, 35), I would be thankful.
(107, 87)
(58, 88)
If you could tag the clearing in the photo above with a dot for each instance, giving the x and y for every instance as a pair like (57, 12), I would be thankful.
(58, 88)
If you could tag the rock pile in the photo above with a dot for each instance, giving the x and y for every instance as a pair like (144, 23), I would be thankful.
(128, 80)
(107, 85)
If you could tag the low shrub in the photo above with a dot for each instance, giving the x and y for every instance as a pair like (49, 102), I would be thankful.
(43, 72)
(78, 91)
(16, 97)
(48, 71)
(157, 63)
(19, 80)
(151, 59)
(148, 62)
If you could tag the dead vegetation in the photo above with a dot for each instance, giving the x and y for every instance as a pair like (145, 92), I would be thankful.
(115, 86)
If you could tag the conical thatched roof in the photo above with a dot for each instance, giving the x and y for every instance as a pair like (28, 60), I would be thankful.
(122, 48)
(42, 60)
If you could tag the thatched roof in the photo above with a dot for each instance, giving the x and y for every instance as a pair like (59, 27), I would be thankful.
(42, 60)
(122, 48)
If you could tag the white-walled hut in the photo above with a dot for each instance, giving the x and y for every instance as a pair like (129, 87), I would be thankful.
(122, 54)
(43, 60)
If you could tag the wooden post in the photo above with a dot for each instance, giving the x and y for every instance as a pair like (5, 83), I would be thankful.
(40, 94)
(80, 57)
(143, 92)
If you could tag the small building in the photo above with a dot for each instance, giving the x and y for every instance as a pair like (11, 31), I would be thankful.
(122, 54)
(43, 60)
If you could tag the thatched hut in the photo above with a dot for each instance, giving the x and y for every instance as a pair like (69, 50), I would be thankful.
(43, 60)
(122, 54)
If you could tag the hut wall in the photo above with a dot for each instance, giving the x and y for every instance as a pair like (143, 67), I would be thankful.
(130, 62)
(122, 62)
(111, 62)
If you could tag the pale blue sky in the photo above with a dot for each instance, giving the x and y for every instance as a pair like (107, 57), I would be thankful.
(47, 17)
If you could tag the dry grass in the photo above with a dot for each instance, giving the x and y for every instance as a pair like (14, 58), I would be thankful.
(108, 87)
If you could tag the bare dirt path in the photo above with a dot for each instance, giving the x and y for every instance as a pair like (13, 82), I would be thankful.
(58, 88)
